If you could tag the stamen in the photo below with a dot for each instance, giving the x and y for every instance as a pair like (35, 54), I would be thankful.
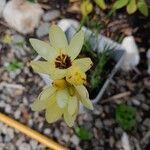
(63, 61)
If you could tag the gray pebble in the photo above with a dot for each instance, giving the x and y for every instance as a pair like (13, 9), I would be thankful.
(24, 146)
(108, 122)
(33, 144)
(2, 104)
(65, 137)
(47, 131)
(17, 114)
(97, 110)
(145, 107)
(98, 123)
(136, 102)
(147, 122)
(51, 15)
(8, 109)
(75, 140)
(118, 131)
(111, 141)
(42, 30)
(140, 97)
(10, 132)
(18, 39)
(57, 133)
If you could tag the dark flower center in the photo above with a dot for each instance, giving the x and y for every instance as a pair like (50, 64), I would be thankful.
(63, 61)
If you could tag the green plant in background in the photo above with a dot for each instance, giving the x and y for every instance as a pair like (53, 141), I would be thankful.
(83, 133)
(126, 116)
(101, 4)
(33, 1)
(7, 39)
(14, 65)
(131, 6)
(102, 58)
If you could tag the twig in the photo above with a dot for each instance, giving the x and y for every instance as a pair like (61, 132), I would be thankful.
(31, 133)
(115, 97)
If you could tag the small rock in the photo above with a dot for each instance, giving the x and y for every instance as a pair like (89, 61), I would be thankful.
(47, 131)
(8, 109)
(2, 104)
(57, 133)
(118, 145)
(145, 107)
(98, 123)
(108, 122)
(42, 30)
(147, 122)
(140, 97)
(18, 39)
(75, 140)
(7, 138)
(136, 102)
(111, 142)
(30, 122)
(51, 15)
(17, 114)
(33, 144)
(97, 110)
(10, 132)
(65, 137)
(138, 117)
(118, 131)
(24, 146)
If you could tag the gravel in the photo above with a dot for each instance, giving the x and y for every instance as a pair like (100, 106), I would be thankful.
(100, 122)
(42, 30)
(51, 15)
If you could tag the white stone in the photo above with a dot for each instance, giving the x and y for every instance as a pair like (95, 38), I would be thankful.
(2, 5)
(22, 15)
(132, 57)
(125, 142)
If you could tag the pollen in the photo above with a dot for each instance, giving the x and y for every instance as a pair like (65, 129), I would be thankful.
(59, 84)
(63, 62)
(76, 76)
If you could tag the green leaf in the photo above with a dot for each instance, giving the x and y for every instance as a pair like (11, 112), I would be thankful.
(83, 133)
(14, 65)
(126, 116)
(131, 7)
(119, 4)
(143, 7)
(101, 4)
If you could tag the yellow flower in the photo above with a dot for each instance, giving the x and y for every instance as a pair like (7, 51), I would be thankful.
(60, 56)
(62, 101)
(68, 74)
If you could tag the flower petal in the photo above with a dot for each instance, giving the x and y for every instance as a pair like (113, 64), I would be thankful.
(44, 49)
(84, 96)
(84, 63)
(76, 44)
(41, 66)
(72, 105)
(69, 119)
(48, 68)
(53, 113)
(58, 38)
(43, 99)
(62, 97)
